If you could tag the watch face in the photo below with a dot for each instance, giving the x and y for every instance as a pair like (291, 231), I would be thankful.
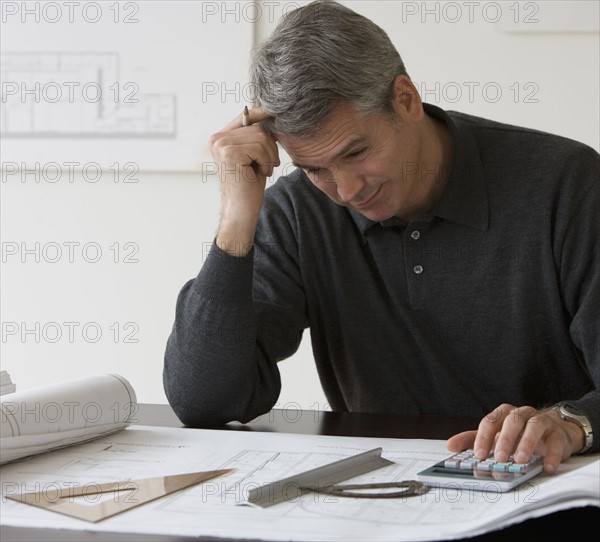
(573, 410)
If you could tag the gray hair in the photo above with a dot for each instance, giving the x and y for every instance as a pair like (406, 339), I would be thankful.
(320, 55)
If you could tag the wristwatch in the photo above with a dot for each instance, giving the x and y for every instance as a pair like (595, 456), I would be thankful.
(572, 414)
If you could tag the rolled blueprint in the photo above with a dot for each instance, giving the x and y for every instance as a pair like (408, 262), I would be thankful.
(57, 415)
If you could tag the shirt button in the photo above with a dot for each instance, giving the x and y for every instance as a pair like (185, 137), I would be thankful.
(418, 269)
(415, 234)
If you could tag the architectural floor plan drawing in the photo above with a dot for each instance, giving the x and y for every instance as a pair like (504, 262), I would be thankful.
(119, 85)
(67, 94)
(219, 508)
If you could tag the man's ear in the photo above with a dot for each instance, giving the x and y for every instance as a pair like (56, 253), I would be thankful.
(406, 100)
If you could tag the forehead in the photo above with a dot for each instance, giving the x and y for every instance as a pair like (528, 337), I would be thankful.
(343, 128)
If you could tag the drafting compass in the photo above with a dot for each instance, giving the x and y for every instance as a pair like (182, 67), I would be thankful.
(326, 480)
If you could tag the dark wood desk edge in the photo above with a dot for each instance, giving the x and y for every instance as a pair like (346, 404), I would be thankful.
(316, 422)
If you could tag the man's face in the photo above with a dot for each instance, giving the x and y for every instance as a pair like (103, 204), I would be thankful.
(364, 163)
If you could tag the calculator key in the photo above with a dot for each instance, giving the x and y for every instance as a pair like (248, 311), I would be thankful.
(525, 467)
(466, 453)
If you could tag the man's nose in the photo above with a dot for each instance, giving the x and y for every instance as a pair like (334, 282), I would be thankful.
(348, 186)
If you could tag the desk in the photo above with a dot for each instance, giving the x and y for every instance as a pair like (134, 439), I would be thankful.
(322, 423)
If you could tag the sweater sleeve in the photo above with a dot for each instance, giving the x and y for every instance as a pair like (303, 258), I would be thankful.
(580, 282)
(233, 323)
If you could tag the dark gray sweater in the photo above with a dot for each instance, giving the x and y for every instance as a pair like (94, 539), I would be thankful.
(493, 296)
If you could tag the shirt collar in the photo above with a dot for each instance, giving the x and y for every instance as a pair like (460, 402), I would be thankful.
(465, 199)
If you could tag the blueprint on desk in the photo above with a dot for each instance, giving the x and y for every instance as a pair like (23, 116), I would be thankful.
(217, 508)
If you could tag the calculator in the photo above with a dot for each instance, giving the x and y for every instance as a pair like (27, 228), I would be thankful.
(464, 471)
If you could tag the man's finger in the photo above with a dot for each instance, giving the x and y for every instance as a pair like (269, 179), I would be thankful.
(535, 428)
(255, 115)
(512, 429)
(461, 441)
(554, 452)
(488, 428)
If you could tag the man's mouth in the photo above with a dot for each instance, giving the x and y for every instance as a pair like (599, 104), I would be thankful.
(366, 202)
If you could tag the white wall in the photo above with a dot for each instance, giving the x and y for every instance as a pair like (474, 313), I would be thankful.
(163, 222)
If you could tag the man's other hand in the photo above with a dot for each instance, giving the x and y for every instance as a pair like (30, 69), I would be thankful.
(522, 431)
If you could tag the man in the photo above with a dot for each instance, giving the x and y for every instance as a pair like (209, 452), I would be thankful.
(445, 264)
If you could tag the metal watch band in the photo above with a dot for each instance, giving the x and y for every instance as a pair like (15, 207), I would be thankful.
(565, 412)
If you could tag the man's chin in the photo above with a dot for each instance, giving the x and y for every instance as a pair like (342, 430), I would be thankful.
(376, 215)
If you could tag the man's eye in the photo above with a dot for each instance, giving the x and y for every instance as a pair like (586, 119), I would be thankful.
(356, 154)
(320, 175)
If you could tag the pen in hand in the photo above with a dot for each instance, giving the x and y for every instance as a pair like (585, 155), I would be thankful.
(255, 164)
